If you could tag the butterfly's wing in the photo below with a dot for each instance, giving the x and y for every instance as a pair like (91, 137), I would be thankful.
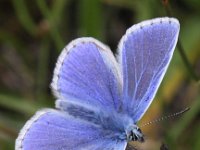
(55, 130)
(144, 54)
(87, 73)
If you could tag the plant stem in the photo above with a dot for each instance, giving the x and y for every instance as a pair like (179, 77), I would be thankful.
(186, 61)
(179, 45)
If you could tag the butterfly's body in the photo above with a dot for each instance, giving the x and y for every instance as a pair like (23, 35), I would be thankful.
(99, 100)
(117, 124)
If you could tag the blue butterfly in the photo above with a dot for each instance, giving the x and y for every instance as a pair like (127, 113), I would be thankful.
(99, 99)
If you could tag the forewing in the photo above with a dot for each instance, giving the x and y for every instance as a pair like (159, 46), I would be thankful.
(55, 130)
(145, 52)
(87, 73)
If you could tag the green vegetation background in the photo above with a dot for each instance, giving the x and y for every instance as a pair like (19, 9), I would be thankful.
(33, 33)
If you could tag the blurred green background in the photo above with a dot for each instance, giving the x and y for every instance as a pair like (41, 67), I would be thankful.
(33, 33)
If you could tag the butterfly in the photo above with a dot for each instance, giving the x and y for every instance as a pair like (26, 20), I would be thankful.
(100, 99)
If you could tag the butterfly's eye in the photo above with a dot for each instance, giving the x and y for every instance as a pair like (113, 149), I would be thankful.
(136, 135)
(139, 130)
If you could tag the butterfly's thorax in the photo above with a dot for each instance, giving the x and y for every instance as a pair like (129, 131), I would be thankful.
(122, 124)
(112, 120)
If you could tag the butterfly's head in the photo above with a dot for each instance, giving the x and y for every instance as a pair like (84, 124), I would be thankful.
(134, 133)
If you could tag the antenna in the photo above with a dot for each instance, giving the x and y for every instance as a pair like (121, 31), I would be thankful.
(166, 117)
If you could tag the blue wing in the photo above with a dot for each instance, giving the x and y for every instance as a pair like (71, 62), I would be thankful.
(145, 52)
(55, 130)
(87, 73)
